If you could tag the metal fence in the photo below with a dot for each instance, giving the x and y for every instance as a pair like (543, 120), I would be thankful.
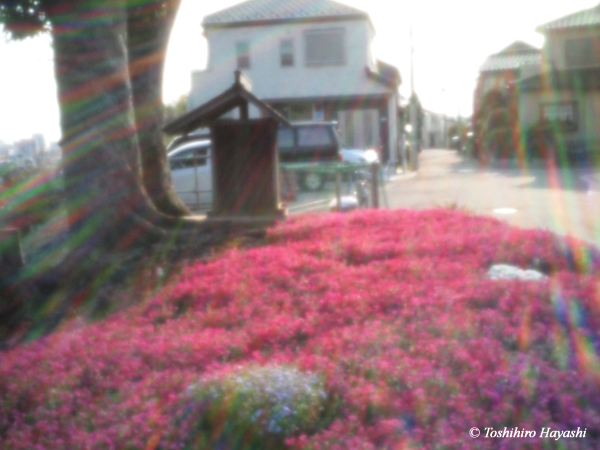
(364, 182)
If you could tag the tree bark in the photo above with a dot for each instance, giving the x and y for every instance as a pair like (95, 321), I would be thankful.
(149, 27)
(102, 166)
(109, 209)
(107, 200)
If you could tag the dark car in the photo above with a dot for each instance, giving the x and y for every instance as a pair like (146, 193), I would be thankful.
(313, 143)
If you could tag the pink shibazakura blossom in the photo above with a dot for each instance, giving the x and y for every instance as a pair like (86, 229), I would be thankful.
(392, 310)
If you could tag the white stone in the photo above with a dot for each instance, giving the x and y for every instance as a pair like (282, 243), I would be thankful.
(508, 272)
(348, 203)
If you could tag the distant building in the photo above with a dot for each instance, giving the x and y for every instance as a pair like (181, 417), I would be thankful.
(40, 143)
(550, 97)
(26, 148)
(434, 130)
(5, 151)
(500, 70)
(564, 98)
(494, 103)
(311, 60)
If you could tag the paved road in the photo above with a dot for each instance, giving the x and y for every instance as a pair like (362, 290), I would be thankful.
(566, 201)
(541, 195)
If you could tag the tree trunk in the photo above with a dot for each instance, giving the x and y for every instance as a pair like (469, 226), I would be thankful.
(102, 166)
(109, 210)
(149, 27)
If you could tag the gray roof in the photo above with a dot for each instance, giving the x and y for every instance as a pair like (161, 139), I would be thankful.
(385, 74)
(586, 18)
(514, 56)
(265, 11)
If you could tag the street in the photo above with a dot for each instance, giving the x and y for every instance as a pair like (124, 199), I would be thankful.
(564, 200)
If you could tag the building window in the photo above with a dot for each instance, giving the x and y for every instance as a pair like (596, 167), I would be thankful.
(283, 109)
(583, 52)
(286, 50)
(242, 51)
(563, 114)
(301, 111)
(325, 47)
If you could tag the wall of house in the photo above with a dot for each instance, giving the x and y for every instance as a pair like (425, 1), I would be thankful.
(529, 70)
(587, 111)
(496, 80)
(590, 111)
(529, 109)
(300, 89)
(555, 47)
(530, 105)
(270, 79)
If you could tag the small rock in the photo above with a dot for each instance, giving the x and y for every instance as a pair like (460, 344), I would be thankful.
(347, 203)
(508, 272)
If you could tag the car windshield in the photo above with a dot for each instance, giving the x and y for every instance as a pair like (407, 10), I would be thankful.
(315, 136)
(285, 139)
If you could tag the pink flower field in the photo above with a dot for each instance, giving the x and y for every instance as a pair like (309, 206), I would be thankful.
(380, 328)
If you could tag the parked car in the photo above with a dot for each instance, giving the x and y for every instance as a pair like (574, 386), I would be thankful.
(304, 142)
(310, 142)
(195, 136)
(359, 156)
(191, 172)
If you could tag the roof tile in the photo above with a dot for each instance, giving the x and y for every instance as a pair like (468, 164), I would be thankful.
(516, 55)
(508, 62)
(586, 18)
(276, 10)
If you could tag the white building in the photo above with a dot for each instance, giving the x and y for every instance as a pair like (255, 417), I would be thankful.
(434, 130)
(309, 59)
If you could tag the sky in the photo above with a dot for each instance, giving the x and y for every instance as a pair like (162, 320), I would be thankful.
(450, 40)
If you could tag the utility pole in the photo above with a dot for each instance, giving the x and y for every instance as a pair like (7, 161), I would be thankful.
(414, 151)
(444, 128)
(459, 130)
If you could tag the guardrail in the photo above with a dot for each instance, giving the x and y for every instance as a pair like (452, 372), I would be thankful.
(366, 179)
(338, 170)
